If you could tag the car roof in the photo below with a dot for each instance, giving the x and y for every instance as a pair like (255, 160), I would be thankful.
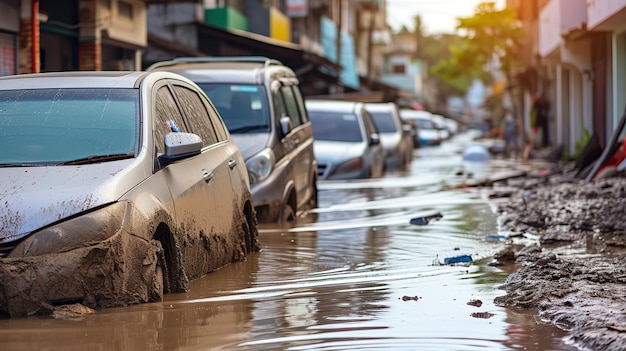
(379, 106)
(231, 69)
(404, 113)
(78, 79)
(333, 105)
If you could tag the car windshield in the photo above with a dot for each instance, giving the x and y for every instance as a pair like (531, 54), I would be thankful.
(242, 107)
(56, 126)
(424, 124)
(333, 126)
(384, 122)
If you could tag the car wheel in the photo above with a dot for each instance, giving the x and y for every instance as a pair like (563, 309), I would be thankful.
(249, 227)
(158, 280)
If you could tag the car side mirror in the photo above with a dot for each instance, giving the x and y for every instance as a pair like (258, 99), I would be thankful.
(285, 125)
(407, 128)
(374, 139)
(179, 146)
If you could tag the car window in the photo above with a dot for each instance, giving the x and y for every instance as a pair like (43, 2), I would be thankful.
(61, 125)
(370, 127)
(242, 107)
(334, 126)
(384, 122)
(168, 118)
(279, 104)
(197, 115)
(216, 120)
(291, 105)
(300, 101)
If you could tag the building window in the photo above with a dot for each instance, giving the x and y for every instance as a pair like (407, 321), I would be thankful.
(125, 9)
(398, 69)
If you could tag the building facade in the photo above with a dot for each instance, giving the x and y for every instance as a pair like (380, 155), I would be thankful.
(575, 56)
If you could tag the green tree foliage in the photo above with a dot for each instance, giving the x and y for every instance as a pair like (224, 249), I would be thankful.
(489, 41)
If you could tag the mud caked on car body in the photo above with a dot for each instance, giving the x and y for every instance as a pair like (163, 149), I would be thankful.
(116, 187)
(262, 105)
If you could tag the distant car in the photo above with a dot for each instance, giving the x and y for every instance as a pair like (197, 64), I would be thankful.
(395, 135)
(442, 125)
(347, 143)
(427, 130)
(262, 105)
(116, 187)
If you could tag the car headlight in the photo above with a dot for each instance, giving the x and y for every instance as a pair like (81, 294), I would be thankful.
(260, 166)
(354, 165)
(81, 231)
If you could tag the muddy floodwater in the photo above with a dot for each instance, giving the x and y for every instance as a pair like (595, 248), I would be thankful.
(351, 275)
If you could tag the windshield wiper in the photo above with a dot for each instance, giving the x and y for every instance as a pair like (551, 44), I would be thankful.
(247, 129)
(96, 159)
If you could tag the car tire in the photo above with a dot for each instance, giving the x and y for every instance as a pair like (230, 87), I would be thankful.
(159, 282)
(249, 227)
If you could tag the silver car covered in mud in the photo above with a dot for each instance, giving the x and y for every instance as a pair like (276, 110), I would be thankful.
(116, 187)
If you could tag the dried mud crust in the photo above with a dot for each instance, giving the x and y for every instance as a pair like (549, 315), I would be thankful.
(575, 275)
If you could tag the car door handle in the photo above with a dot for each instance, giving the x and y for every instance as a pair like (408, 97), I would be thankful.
(232, 164)
(207, 175)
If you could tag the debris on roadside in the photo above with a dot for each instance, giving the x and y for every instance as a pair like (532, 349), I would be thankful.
(483, 315)
(410, 298)
(475, 303)
(496, 238)
(424, 220)
(461, 260)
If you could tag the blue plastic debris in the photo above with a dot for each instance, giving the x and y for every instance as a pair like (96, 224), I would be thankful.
(425, 219)
(419, 221)
(464, 260)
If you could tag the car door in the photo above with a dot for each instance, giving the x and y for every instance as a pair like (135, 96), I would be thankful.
(195, 183)
(299, 142)
(216, 158)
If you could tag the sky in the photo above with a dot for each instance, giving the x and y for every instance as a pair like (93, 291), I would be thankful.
(438, 16)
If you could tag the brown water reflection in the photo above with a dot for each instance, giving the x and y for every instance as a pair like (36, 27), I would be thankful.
(335, 281)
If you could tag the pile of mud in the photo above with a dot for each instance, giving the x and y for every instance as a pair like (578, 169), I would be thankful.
(574, 275)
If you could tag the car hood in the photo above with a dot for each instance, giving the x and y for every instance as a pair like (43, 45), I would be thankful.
(251, 144)
(336, 151)
(33, 197)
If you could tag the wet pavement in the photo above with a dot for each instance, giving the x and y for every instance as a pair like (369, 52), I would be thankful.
(351, 275)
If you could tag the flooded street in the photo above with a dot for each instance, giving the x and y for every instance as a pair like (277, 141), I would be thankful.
(351, 275)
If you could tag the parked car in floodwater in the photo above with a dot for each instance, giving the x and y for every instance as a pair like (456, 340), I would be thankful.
(347, 142)
(395, 136)
(262, 105)
(116, 187)
(427, 131)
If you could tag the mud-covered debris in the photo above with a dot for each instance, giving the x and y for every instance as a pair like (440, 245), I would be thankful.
(410, 298)
(507, 254)
(71, 311)
(483, 315)
(475, 302)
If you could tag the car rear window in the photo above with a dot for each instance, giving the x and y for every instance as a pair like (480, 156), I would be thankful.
(335, 126)
(384, 122)
(61, 125)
